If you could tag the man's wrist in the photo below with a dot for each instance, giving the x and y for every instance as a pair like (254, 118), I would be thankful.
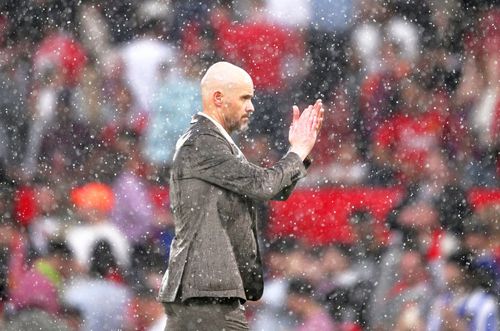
(301, 153)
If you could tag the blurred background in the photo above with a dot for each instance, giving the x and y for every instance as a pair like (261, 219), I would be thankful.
(396, 227)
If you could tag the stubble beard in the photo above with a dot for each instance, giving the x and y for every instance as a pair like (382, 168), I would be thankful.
(243, 126)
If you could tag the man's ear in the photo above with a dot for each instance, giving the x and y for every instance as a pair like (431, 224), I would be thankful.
(218, 98)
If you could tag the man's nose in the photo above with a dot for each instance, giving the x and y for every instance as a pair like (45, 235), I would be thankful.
(250, 108)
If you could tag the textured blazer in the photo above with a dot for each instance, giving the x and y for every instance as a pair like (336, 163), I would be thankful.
(213, 194)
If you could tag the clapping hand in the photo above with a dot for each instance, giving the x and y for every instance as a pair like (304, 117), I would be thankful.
(305, 128)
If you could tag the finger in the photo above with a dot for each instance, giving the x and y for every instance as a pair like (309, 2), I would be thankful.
(296, 114)
(321, 118)
(314, 123)
(313, 119)
(318, 104)
(316, 116)
(306, 114)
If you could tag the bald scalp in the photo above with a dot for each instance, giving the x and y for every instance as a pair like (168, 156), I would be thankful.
(226, 93)
(222, 76)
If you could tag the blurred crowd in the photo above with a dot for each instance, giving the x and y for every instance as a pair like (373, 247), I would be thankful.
(94, 95)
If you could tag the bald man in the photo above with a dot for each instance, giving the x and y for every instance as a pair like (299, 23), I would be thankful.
(215, 264)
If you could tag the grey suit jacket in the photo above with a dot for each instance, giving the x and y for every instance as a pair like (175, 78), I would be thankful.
(213, 190)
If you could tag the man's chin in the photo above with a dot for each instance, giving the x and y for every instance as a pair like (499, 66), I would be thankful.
(243, 126)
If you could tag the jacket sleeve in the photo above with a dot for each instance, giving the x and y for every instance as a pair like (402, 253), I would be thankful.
(211, 160)
(287, 191)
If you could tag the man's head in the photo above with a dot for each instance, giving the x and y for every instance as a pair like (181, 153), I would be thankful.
(60, 256)
(227, 92)
(457, 269)
(412, 268)
(300, 296)
(476, 235)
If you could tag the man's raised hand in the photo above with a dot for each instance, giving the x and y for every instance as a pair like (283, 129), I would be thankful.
(305, 128)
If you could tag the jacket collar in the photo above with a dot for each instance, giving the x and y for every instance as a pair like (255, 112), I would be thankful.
(221, 130)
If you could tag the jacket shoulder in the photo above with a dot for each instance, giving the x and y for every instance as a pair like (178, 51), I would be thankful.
(203, 133)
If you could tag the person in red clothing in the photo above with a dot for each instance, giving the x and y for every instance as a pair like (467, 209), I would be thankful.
(258, 45)
(379, 89)
(337, 159)
(406, 140)
(264, 50)
(60, 50)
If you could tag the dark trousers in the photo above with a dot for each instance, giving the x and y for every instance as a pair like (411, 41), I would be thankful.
(205, 314)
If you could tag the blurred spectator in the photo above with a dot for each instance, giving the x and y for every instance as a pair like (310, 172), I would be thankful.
(120, 17)
(48, 222)
(271, 312)
(65, 143)
(464, 305)
(94, 203)
(378, 30)
(263, 58)
(143, 58)
(335, 269)
(119, 112)
(132, 211)
(280, 14)
(257, 151)
(477, 98)
(366, 35)
(336, 159)
(149, 312)
(490, 215)
(94, 30)
(144, 278)
(448, 192)
(485, 113)
(366, 255)
(13, 118)
(45, 98)
(86, 98)
(445, 28)
(163, 228)
(338, 287)
(61, 52)
(478, 241)
(367, 245)
(419, 224)
(409, 295)
(404, 142)
(311, 315)
(38, 287)
(379, 95)
(418, 230)
(326, 38)
(178, 98)
(102, 301)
